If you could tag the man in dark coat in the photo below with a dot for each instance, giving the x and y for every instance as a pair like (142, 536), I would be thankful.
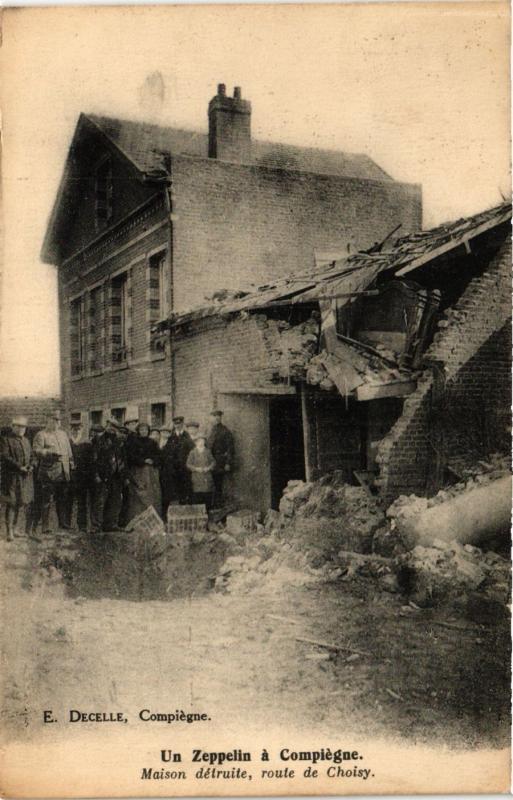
(16, 471)
(179, 446)
(109, 473)
(221, 445)
(167, 471)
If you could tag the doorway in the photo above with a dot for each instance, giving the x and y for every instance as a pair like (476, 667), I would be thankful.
(286, 444)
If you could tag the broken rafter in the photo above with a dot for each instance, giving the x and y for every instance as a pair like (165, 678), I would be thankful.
(288, 301)
(367, 348)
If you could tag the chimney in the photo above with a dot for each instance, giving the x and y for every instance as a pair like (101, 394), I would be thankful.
(229, 126)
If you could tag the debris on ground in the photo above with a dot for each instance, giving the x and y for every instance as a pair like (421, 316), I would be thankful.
(449, 571)
(241, 524)
(472, 511)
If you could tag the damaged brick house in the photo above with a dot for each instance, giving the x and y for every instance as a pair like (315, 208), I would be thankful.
(149, 219)
(391, 365)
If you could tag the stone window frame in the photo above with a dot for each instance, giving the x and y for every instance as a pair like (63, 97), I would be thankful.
(77, 333)
(156, 349)
(110, 351)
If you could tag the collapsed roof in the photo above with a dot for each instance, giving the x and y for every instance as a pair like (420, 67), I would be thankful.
(348, 277)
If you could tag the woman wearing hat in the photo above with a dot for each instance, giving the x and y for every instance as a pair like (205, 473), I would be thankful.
(143, 461)
(17, 464)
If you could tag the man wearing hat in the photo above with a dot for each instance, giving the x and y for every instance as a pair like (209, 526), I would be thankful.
(16, 472)
(221, 445)
(81, 486)
(167, 470)
(177, 449)
(109, 473)
(55, 462)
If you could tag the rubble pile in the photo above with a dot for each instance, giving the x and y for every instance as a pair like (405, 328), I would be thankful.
(294, 347)
(496, 466)
(332, 512)
(329, 531)
(347, 368)
(453, 572)
(266, 564)
(297, 545)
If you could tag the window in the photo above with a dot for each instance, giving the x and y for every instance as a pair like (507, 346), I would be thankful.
(159, 305)
(159, 294)
(118, 414)
(77, 337)
(120, 318)
(158, 415)
(104, 192)
(94, 337)
(95, 417)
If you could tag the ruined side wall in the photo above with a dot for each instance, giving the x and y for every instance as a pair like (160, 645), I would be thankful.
(213, 366)
(219, 357)
(460, 409)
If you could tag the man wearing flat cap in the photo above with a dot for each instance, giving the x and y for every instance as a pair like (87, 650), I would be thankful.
(178, 447)
(55, 463)
(221, 445)
(16, 473)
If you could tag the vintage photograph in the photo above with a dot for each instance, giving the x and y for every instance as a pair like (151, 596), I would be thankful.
(255, 401)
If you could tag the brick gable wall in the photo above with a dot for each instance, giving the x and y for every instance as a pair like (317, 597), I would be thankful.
(234, 225)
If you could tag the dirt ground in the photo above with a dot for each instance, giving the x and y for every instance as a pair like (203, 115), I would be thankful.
(418, 675)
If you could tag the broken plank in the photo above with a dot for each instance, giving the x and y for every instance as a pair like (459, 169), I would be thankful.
(369, 391)
(394, 694)
(340, 647)
(454, 626)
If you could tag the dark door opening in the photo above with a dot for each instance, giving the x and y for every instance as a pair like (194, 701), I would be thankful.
(286, 445)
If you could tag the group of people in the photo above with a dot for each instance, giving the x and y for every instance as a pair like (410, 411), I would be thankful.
(112, 475)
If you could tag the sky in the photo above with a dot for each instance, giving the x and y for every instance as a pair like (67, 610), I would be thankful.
(421, 88)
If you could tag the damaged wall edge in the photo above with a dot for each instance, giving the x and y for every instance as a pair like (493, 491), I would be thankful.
(467, 374)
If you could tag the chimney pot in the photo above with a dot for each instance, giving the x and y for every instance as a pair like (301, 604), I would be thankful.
(229, 126)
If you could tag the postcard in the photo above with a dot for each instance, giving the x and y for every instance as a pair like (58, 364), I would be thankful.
(255, 416)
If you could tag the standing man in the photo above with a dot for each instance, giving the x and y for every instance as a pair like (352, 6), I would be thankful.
(55, 462)
(16, 466)
(81, 487)
(128, 433)
(221, 445)
(167, 477)
(181, 446)
(108, 474)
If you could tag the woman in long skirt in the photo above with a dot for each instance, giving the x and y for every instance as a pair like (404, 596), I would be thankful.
(143, 459)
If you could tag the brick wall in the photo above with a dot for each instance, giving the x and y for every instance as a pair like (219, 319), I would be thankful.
(234, 224)
(221, 357)
(35, 408)
(146, 375)
(460, 409)
(225, 364)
